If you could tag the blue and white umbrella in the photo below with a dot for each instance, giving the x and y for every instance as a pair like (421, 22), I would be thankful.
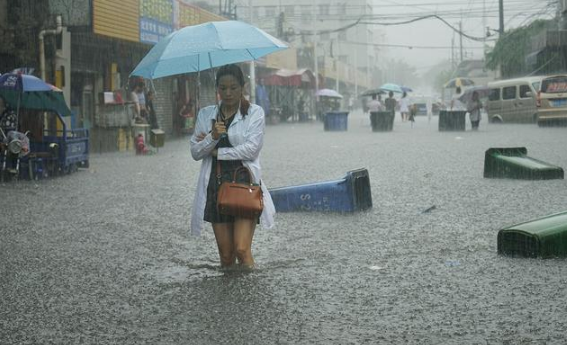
(328, 93)
(391, 87)
(201, 47)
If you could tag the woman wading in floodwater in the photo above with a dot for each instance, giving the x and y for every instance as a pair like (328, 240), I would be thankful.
(231, 133)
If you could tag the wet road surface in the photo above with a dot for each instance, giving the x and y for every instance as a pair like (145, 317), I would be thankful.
(103, 256)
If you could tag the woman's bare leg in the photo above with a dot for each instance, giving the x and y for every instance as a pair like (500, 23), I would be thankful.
(243, 234)
(225, 241)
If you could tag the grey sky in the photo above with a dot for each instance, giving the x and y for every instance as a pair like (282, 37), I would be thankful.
(433, 33)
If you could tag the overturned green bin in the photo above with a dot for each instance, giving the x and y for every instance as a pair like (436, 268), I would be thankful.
(540, 238)
(513, 162)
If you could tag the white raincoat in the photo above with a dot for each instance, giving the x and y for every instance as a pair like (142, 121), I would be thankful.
(247, 137)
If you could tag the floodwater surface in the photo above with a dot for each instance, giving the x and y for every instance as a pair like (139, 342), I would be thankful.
(104, 256)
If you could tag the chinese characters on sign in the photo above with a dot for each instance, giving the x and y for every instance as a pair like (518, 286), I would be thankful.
(156, 20)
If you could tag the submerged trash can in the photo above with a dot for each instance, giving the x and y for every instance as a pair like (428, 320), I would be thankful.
(382, 121)
(452, 120)
(513, 162)
(336, 121)
(540, 238)
(349, 194)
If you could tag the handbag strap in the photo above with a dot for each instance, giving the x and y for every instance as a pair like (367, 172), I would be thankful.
(219, 175)
(242, 168)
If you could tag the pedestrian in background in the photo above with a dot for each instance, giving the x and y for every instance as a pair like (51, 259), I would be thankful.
(456, 103)
(473, 107)
(375, 105)
(391, 102)
(405, 107)
(231, 133)
(151, 110)
(138, 97)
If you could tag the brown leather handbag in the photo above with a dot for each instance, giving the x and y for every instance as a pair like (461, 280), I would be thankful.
(236, 199)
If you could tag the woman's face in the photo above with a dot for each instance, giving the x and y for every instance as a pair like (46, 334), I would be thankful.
(229, 90)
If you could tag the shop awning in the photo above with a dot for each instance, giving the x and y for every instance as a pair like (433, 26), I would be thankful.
(285, 77)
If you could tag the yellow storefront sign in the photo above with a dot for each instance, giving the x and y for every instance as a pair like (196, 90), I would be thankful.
(118, 19)
(190, 15)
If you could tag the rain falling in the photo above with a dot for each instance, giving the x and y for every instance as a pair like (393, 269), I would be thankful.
(413, 153)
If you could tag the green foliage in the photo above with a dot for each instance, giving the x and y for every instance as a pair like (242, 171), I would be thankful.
(438, 75)
(510, 50)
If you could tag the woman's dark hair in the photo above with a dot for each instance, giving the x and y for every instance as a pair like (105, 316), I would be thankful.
(236, 72)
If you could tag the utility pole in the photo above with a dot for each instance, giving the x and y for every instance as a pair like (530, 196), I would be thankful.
(338, 61)
(315, 42)
(252, 64)
(453, 51)
(501, 7)
(484, 27)
(461, 39)
(356, 70)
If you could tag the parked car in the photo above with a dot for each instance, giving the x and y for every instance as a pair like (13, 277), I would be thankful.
(513, 100)
(552, 101)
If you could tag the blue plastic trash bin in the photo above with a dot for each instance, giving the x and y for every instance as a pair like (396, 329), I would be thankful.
(350, 194)
(336, 121)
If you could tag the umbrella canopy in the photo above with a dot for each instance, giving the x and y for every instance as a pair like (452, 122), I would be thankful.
(372, 92)
(482, 91)
(23, 82)
(329, 93)
(391, 87)
(27, 91)
(201, 47)
(459, 82)
(406, 89)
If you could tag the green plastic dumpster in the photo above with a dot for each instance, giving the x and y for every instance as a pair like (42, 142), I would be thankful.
(382, 121)
(513, 162)
(452, 120)
(540, 238)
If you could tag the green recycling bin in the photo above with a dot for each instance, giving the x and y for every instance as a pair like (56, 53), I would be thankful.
(513, 162)
(540, 238)
(382, 121)
(452, 120)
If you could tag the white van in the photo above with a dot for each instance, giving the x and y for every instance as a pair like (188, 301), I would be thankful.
(552, 101)
(513, 100)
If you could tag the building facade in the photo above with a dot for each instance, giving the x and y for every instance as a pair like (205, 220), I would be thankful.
(321, 31)
(93, 51)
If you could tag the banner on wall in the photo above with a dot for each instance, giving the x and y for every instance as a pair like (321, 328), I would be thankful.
(145, 21)
(156, 20)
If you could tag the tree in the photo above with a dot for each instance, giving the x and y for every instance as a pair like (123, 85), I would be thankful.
(438, 75)
(510, 50)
